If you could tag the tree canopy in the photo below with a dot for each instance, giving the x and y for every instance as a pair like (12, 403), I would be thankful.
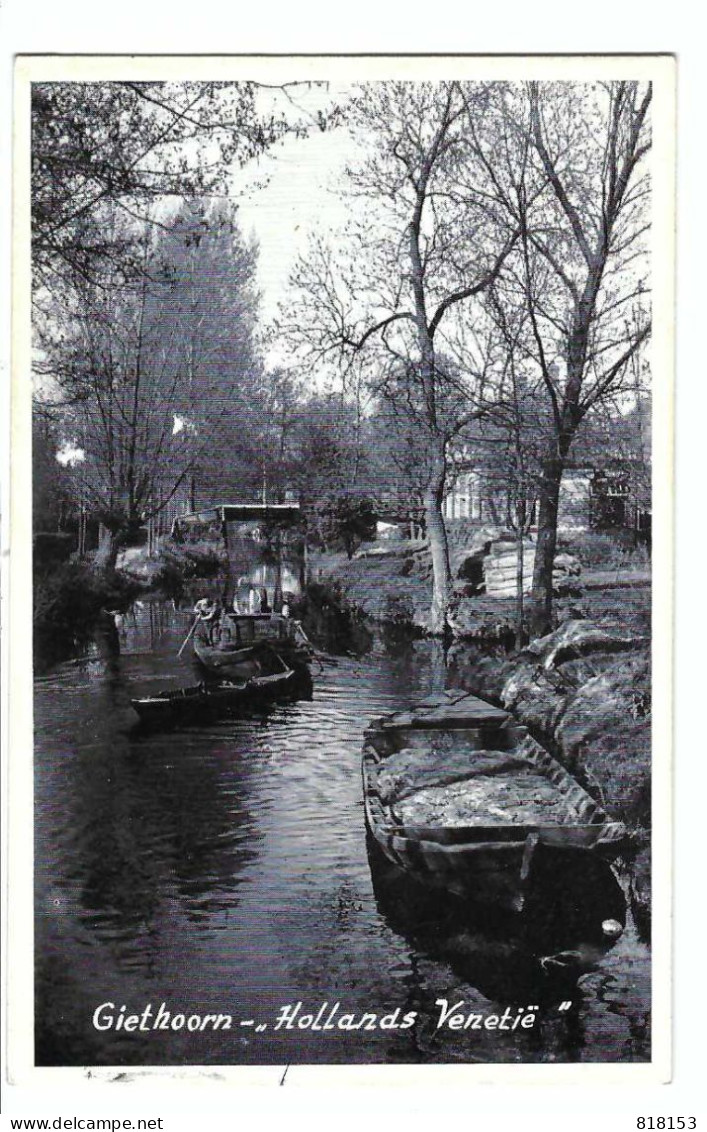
(102, 147)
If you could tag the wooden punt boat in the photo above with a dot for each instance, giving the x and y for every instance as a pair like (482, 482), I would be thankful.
(212, 701)
(463, 798)
(249, 645)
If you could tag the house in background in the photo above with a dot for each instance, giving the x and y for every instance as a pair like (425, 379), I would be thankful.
(465, 499)
(613, 498)
(610, 498)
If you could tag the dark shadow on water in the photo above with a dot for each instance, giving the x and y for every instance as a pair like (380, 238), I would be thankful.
(398, 639)
(330, 623)
(537, 957)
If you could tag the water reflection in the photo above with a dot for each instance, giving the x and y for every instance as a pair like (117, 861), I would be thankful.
(539, 956)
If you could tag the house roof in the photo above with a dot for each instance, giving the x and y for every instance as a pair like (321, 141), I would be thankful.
(241, 512)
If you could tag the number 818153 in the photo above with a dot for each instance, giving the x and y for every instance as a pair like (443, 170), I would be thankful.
(650, 1123)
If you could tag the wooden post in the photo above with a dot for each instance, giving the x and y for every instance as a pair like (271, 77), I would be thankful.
(82, 531)
(224, 533)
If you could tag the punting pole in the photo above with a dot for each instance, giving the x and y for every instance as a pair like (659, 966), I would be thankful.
(186, 639)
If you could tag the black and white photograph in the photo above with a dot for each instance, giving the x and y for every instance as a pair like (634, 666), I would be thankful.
(347, 385)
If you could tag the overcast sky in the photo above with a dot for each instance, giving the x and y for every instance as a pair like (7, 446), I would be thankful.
(291, 192)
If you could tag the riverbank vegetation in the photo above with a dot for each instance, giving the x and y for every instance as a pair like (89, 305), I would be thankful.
(69, 601)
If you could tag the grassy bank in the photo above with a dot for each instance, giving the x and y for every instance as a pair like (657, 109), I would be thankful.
(393, 586)
(394, 582)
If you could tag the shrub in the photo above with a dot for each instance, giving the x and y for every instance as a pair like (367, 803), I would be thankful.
(67, 603)
(600, 549)
(343, 522)
(398, 609)
(50, 547)
(191, 560)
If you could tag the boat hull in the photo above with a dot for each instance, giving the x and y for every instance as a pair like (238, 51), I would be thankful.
(207, 702)
(484, 855)
(229, 664)
(535, 956)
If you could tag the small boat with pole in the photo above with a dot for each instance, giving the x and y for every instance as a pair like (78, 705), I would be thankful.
(242, 646)
(239, 641)
(463, 799)
(247, 678)
(249, 653)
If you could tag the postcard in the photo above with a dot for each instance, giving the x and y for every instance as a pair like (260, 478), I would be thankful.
(342, 491)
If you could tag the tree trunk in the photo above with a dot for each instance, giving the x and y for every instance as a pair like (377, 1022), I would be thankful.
(108, 547)
(519, 589)
(520, 571)
(437, 535)
(548, 503)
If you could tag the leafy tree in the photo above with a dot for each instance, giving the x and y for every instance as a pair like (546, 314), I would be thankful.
(392, 472)
(266, 459)
(324, 450)
(343, 521)
(212, 304)
(98, 147)
(151, 368)
(51, 493)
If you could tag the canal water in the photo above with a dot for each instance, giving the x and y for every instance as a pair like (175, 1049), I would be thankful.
(225, 871)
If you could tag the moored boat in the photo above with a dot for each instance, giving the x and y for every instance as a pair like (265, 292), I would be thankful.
(208, 701)
(463, 798)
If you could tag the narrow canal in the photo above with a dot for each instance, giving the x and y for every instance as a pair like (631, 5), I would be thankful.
(225, 870)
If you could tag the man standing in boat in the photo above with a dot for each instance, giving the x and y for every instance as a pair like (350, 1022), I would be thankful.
(247, 598)
(241, 596)
(208, 612)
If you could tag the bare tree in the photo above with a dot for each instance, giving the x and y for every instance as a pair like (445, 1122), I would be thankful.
(579, 191)
(418, 254)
